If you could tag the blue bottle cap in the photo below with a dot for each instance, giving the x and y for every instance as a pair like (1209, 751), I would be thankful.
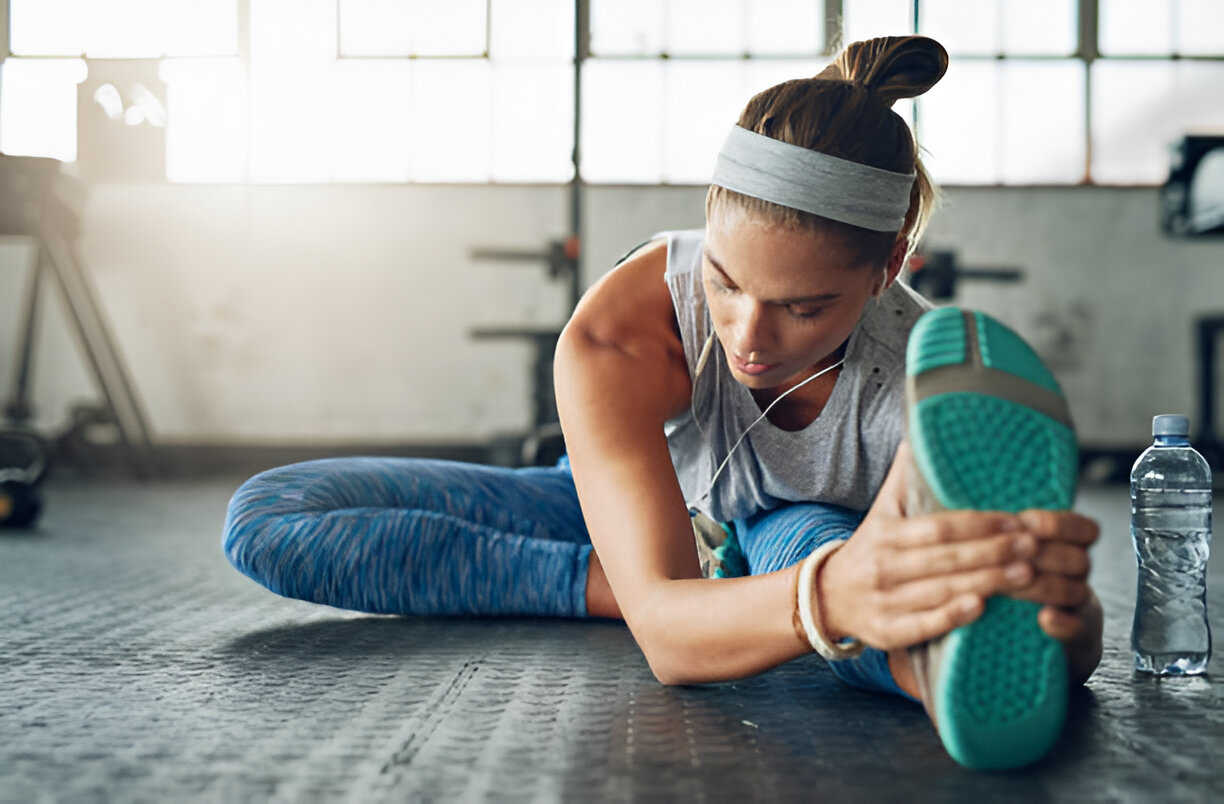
(1170, 424)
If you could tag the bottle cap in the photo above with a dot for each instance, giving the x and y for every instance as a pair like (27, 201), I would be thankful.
(1170, 424)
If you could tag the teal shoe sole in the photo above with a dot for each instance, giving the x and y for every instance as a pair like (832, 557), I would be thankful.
(990, 430)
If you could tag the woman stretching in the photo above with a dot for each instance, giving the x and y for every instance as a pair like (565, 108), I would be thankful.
(739, 485)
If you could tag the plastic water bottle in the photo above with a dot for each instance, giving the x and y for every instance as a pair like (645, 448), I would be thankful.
(1171, 529)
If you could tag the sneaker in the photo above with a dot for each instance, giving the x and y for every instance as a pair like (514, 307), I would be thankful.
(989, 430)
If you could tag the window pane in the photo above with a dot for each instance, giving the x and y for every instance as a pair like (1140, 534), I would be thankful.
(1140, 108)
(1043, 122)
(285, 31)
(293, 45)
(867, 19)
(785, 27)
(1136, 27)
(704, 27)
(905, 110)
(1040, 27)
(370, 120)
(626, 27)
(964, 27)
(452, 28)
(1200, 28)
(958, 123)
(38, 107)
(205, 120)
(533, 122)
(532, 30)
(124, 28)
(702, 103)
(1200, 96)
(760, 75)
(375, 28)
(622, 121)
(451, 127)
(1133, 120)
(412, 27)
(48, 27)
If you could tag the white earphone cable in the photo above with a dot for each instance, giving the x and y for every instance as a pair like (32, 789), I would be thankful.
(692, 504)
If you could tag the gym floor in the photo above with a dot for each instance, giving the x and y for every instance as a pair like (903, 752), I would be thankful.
(136, 665)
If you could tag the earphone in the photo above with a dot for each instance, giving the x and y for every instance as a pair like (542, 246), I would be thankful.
(701, 362)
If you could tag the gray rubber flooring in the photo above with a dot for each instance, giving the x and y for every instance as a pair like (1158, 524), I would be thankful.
(135, 665)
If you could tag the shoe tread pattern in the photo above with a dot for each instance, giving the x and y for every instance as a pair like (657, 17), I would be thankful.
(1001, 698)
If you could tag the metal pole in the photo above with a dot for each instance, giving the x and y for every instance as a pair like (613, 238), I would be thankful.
(582, 49)
(19, 408)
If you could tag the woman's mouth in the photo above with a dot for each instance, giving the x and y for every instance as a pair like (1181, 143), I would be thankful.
(753, 369)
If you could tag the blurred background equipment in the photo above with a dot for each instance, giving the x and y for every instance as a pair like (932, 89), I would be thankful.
(1192, 198)
(542, 444)
(36, 202)
(23, 464)
(936, 273)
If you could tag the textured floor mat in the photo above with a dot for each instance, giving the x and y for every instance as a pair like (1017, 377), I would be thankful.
(135, 665)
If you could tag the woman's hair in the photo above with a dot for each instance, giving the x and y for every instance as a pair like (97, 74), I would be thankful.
(846, 111)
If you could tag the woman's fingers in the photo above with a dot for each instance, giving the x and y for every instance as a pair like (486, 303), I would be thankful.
(1062, 559)
(919, 626)
(935, 592)
(1061, 625)
(1064, 526)
(956, 526)
(916, 578)
(1051, 589)
(902, 566)
(950, 527)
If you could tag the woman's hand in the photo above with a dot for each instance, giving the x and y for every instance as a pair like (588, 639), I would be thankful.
(904, 579)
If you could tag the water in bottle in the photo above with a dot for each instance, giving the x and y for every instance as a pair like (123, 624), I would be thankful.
(1171, 530)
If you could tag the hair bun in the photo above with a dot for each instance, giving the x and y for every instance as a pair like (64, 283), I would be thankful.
(892, 67)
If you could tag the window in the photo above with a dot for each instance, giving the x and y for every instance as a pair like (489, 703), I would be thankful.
(668, 78)
(1012, 107)
(323, 91)
(483, 90)
(1160, 75)
(1025, 100)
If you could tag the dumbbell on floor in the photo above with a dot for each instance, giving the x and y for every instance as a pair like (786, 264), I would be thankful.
(20, 504)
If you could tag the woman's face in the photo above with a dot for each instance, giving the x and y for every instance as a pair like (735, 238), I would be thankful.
(782, 299)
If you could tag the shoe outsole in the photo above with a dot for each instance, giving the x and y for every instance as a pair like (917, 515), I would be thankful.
(984, 440)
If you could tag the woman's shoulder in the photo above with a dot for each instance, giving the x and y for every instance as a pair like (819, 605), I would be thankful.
(888, 320)
(632, 300)
(678, 251)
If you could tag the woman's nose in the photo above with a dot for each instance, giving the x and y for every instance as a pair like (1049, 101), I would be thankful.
(752, 329)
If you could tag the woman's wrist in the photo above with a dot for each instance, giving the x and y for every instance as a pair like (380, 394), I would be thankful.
(810, 611)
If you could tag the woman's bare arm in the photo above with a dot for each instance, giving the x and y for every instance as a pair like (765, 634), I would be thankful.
(621, 373)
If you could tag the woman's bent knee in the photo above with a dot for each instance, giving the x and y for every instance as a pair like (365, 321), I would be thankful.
(256, 510)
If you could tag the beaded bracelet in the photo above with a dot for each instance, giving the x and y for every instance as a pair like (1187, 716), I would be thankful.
(807, 607)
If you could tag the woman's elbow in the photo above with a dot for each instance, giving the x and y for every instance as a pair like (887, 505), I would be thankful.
(667, 672)
(668, 662)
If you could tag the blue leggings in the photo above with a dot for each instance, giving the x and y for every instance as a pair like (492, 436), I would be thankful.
(410, 536)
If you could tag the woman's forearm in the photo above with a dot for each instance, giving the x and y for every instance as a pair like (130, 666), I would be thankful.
(696, 631)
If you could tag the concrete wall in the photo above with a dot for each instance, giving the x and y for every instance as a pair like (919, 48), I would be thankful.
(340, 314)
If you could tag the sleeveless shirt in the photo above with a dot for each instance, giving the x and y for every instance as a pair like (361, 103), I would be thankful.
(840, 458)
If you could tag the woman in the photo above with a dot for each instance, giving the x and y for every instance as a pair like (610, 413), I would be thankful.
(747, 384)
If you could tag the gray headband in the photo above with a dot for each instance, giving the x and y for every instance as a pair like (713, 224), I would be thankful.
(807, 180)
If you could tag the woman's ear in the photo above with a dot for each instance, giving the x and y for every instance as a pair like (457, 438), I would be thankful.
(896, 260)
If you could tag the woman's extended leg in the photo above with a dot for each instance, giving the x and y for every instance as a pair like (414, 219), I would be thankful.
(774, 540)
(407, 536)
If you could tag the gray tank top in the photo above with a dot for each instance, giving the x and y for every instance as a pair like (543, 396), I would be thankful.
(840, 458)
